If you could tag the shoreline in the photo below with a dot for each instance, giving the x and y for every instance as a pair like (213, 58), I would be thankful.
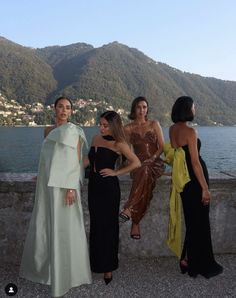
(28, 176)
(46, 125)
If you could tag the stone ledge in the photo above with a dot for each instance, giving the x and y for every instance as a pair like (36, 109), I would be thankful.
(16, 203)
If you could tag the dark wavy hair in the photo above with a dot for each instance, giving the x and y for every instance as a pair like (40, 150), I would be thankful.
(182, 110)
(60, 98)
(135, 102)
(115, 125)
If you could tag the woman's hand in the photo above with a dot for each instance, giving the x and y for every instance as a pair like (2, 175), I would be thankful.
(206, 196)
(150, 159)
(70, 197)
(85, 161)
(108, 172)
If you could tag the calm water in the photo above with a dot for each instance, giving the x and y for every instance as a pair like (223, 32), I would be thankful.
(20, 147)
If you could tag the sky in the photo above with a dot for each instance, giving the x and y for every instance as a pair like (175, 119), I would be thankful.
(196, 36)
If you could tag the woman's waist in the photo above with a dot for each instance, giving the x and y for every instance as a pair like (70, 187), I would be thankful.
(144, 156)
(96, 176)
(98, 170)
(204, 169)
(145, 148)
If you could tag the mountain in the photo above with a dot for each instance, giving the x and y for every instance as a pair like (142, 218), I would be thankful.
(67, 63)
(23, 75)
(114, 73)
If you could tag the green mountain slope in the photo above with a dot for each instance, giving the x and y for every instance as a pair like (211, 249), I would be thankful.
(114, 73)
(23, 75)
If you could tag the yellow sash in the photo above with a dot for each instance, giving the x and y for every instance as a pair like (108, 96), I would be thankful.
(180, 176)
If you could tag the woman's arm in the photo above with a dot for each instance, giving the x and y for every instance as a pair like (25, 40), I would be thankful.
(197, 168)
(45, 133)
(78, 151)
(127, 130)
(160, 137)
(86, 161)
(70, 193)
(133, 162)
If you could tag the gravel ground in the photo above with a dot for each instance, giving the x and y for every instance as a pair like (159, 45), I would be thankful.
(137, 278)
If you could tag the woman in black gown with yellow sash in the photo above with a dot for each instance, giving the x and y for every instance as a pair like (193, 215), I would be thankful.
(197, 254)
(104, 192)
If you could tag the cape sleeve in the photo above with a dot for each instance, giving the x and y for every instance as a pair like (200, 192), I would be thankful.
(66, 170)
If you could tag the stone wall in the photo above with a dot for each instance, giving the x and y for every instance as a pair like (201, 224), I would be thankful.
(16, 202)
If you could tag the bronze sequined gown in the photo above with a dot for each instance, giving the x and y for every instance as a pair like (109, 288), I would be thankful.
(144, 178)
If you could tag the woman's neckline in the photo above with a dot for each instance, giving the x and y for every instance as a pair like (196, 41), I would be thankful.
(103, 147)
(108, 138)
(142, 135)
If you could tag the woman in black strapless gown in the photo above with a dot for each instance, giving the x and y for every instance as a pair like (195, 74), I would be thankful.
(104, 202)
(197, 255)
(104, 192)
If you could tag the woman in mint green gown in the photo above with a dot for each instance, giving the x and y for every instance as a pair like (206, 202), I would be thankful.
(55, 251)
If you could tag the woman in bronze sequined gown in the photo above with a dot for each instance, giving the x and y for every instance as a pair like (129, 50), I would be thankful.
(147, 140)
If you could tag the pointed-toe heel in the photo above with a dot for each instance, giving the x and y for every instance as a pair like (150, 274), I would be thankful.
(183, 268)
(107, 280)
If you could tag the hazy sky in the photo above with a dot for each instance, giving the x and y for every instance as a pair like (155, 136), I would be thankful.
(197, 36)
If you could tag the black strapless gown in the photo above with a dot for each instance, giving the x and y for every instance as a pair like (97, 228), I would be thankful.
(197, 245)
(103, 202)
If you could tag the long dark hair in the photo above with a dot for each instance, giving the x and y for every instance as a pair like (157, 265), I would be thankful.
(135, 102)
(115, 125)
(182, 110)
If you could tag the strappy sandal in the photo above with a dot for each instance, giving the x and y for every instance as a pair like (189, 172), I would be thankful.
(135, 236)
(123, 217)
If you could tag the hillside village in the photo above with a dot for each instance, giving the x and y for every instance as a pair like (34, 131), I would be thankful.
(85, 112)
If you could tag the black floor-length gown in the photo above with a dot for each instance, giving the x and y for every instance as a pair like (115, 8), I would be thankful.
(104, 202)
(197, 245)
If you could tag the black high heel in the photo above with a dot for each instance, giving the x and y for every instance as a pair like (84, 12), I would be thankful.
(183, 268)
(107, 279)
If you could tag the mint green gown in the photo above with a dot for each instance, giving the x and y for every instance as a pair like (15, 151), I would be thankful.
(55, 251)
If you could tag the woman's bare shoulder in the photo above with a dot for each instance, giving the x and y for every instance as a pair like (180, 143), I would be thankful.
(129, 127)
(192, 133)
(171, 128)
(155, 124)
(96, 139)
(47, 129)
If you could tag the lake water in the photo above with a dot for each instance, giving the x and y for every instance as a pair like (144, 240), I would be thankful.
(20, 147)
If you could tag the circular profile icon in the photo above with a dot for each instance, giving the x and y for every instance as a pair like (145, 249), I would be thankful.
(11, 289)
